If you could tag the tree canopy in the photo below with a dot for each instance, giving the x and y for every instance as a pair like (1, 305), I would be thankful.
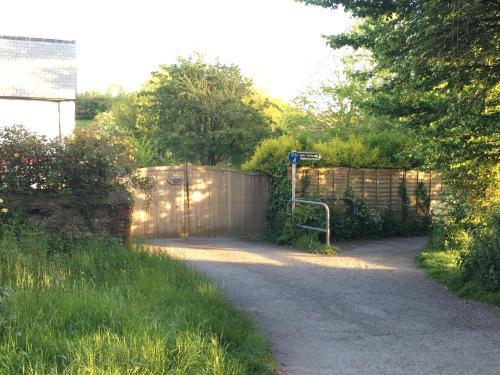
(436, 71)
(203, 113)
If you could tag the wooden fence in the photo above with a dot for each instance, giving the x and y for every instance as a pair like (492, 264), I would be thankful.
(191, 200)
(376, 187)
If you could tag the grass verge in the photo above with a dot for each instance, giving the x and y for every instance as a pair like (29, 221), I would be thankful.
(94, 307)
(442, 266)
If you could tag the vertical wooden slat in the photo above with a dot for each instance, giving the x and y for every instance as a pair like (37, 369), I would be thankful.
(229, 201)
(390, 190)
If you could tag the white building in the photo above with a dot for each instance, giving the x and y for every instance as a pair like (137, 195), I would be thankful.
(38, 84)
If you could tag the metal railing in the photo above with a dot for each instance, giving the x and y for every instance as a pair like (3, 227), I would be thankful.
(327, 209)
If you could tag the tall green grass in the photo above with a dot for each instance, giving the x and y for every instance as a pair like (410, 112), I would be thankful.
(95, 307)
(442, 266)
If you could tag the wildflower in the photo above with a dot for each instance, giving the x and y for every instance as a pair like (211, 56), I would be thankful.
(1, 200)
(4, 210)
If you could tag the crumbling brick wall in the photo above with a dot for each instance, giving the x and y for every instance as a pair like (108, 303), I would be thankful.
(57, 216)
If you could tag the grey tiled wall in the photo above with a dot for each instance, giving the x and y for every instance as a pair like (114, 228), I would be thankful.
(37, 68)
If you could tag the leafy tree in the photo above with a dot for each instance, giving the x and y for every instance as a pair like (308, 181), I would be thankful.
(120, 121)
(203, 113)
(337, 100)
(89, 104)
(436, 71)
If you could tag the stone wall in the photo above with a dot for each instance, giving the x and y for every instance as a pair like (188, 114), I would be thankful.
(56, 216)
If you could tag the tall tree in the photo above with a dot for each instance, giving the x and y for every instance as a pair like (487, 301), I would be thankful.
(202, 112)
(89, 104)
(437, 70)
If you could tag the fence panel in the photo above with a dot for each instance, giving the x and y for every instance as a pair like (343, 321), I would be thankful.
(376, 187)
(191, 200)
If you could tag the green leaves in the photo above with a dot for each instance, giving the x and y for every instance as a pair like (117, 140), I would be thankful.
(83, 168)
(436, 72)
(203, 113)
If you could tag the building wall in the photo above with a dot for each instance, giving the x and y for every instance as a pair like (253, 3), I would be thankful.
(41, 117)
(38, 84)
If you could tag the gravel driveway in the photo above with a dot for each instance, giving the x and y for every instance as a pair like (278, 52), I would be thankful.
(368, 310)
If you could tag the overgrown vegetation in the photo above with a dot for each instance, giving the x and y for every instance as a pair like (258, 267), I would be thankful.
(92, 306)
(85, 304)
(82, 169)
(350, 217)
(434, 71)
(441, 265)
(89, 104)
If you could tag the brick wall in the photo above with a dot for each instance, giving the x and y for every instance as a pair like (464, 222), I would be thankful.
(56, 216)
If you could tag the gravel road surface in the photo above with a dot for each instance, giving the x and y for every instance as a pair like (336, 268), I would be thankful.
(368, 310)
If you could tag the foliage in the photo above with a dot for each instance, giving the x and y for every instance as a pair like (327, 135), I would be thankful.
(349, 153)
(353, 152)
(121, 121)
(448, 223)
(351, 218)
(94, 164)
(435, 72)
(395, 148)
(292, 119)
(202, 113)
(271, 155)
(84, 168)
(336, 103)
(118, 310)
(481, 260)
(423, 202)
(442, 265)
(405, 201)
(28, 162)
(79, 124)
(89, 104)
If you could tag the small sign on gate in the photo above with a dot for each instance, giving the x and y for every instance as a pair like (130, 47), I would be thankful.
(175, 180)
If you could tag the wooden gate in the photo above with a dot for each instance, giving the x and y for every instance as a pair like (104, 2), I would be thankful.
(191, 200)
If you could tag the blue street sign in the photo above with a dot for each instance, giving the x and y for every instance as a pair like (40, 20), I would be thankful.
(294, 157)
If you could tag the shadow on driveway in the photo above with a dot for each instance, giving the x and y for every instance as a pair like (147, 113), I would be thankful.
(368, 310)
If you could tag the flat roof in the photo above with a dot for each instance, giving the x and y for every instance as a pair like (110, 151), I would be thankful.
(31, 39)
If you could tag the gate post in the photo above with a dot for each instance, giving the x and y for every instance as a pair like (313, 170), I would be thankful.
(187, 200)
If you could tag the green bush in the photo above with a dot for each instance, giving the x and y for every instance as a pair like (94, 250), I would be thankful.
(89, 104)
(28, 162)
(272, 155)
(355, 152)
(393, 147)
(481, 260)
(83, 168)
(449, 224)
(349, 153)
(351, 218)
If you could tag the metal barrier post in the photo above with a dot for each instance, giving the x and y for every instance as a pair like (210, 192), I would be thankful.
(327, 211)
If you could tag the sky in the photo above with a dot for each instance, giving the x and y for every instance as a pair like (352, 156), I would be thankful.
(277, 43)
